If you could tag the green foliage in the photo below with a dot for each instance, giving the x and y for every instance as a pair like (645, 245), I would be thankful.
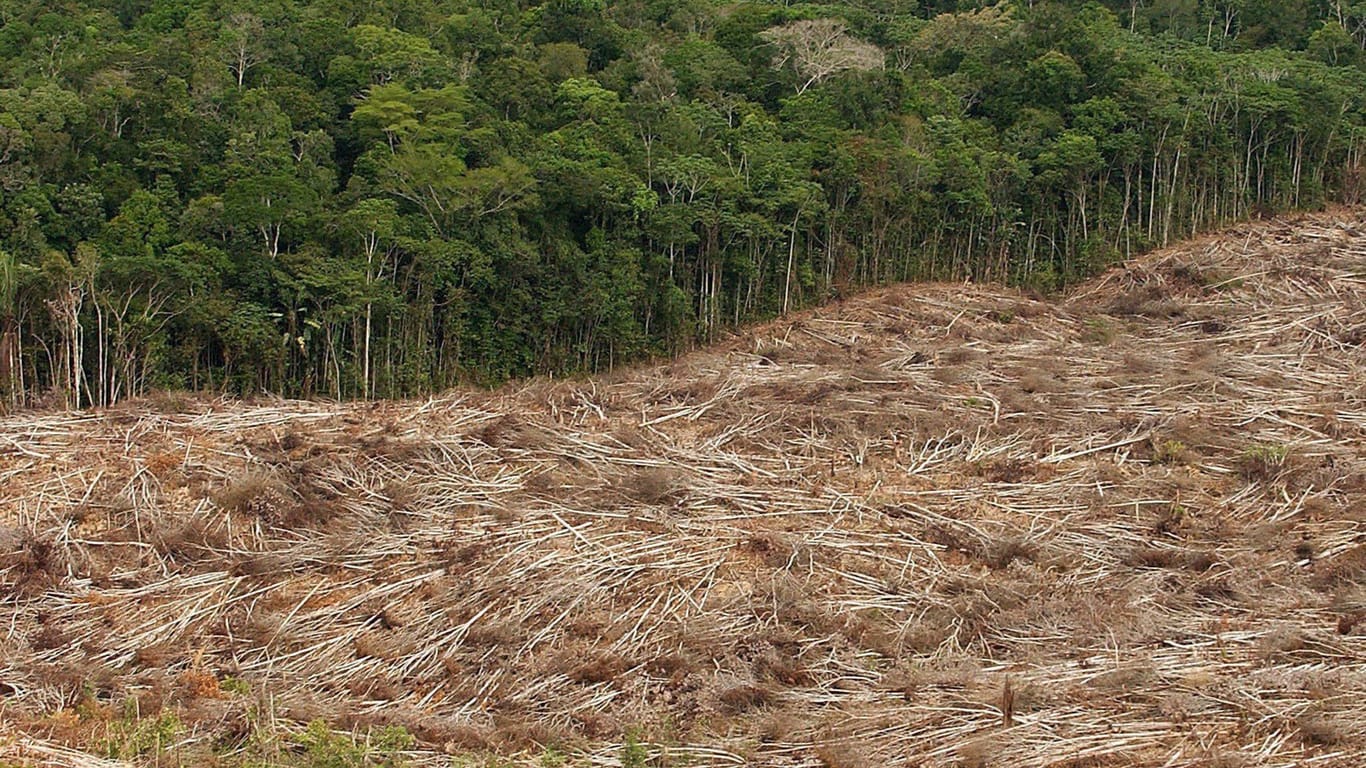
(553, 758)
(1271, 454)
(235, 685)
(318, 199)
(1171, 452)
(1098, 330)
(130, 737)
(1263, 461)
(324, 748)
(634, 753)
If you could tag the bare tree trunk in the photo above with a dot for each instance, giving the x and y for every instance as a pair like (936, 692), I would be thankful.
(791, 262)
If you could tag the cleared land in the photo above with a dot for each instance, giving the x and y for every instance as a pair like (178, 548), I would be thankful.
(935, 525)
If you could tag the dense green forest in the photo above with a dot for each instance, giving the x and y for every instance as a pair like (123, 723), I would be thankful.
(353, 198)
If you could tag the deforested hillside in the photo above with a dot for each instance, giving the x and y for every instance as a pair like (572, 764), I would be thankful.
(933, 525)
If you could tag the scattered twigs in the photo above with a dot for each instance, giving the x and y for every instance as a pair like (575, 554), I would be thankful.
(936, 525)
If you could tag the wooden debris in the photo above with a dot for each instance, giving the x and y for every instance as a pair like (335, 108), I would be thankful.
(853, 522)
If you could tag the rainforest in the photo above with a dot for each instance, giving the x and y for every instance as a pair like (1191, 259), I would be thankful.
(352, 199)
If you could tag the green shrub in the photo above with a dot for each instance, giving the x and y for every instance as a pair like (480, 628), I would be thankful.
(131, 736)
(1171, 452)
(325, 748)
(1098, 331)
(634, 754)
(1263, 461)
(234, 685)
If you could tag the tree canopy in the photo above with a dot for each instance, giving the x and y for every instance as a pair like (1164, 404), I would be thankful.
(352, 199)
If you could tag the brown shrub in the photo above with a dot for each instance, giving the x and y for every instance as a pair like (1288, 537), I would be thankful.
(199, 684)
(162, 464)
(927, 635)
(1148, 300)
(1194, 433)
(653, 485)
(779, 727)
(595, 725)
(547, 483)
(1153, 557)
(979, 753)
(950, 374)
(743, 697)
(1218, 591)
(48, 637)
(1008, 470)
(445, 733)
(260, 564)
(1353, 337)
(1039, 382)
(158, 655)
(382, 446)
(875, 636)
(1284, 642)
(1194, 275)
(590, 625)
(601, 667)
(296, 440)
(999, 554)
(776, 353)
(782, 667)
(676, 666)
(318, 500)
(842, 755)
(949, 538)
(256, 493)
(692, 391)
(1345, 569)
(629, 435)
(1129, 677)
(374, 688)
(494, 633)
(77, 680)
(1348, 621)
(959, 355)
(512, 432)
(1199, 561)
(1170, 558)
(778, 550)
(12, 539)
(189, 540)
(1323, 729)
(788, 601)
(38, 564)
(459, 738)
(403, 496)
(377, 645)
(515, 734)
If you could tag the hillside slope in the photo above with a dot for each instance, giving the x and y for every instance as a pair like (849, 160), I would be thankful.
(935, 525)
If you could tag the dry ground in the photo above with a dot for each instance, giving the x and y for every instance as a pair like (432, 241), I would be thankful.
(936, 525)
